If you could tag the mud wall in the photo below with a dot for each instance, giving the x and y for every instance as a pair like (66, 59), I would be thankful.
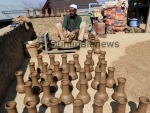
(11, 54)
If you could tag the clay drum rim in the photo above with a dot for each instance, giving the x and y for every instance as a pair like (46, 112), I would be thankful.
(121, 79)
(77, 102)
(82, 70)
(122, 100)
(75, 55)
(10, 105)
(54, 101)
(30, 104)
(18, 73)
(144, 100)
(28, 83)
(45, 83)
(31, 63)
(98, 102)
(65, 82)
(49, 71)
(56, 63)
(111, 68)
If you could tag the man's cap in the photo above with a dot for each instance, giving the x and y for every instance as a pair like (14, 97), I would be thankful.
(73, 6)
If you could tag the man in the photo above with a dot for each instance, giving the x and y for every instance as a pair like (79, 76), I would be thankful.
(72, 26)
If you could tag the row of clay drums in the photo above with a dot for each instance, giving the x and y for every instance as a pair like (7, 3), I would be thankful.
(52, 14)
(101, 80)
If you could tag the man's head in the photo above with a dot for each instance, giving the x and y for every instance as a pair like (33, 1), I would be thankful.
(73, 9)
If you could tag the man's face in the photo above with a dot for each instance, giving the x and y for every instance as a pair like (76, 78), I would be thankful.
(72, 11)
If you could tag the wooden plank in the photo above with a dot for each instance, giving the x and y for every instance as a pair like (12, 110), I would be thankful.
(148, 21)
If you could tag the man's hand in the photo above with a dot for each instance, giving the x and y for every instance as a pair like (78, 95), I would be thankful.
(65, 34)
(71, 34)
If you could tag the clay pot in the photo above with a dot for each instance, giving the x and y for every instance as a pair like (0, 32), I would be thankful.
(98, 106)
(143, 104)
(40, 62)
(32, 69)
(53, 103)
(31, 106)
(57, 73)
(11, 107)
(36, 86)
(29, 96)
(44, 69)
(46, 13)
(46, 93)
(103, 53)
(100, 58)
(101, 93)
(103, 66)
(52, 13)
(96, 80)
(121, 105)
(90, 54)
(76, 62)
(81, 77)
(65, 74)
(72, 71)
(83, 94)
(67, 40)
(88, 59)
(87, 70)
(92, 42)
(27, 14)
(64, 65)
(58, 13)
(66, 97)
(64, 11)
(52, 60)
(97, 49)
(53, 85)
(41, 14)
(120, 90)
(110, 79)
(20, 82)
(34, 13)
(77, 106)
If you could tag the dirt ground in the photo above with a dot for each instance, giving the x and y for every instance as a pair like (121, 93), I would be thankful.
(134, 66)
(131, 60)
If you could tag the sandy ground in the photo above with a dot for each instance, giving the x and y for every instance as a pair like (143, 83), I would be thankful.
(131, 60)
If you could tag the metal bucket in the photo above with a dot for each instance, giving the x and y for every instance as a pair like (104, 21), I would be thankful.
(134, 22)
(31, 49)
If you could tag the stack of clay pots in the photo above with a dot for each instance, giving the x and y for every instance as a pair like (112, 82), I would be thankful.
(95, 43)
(43, 80)
(46, 13)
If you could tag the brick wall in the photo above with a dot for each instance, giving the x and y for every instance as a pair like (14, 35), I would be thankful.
(11, 54)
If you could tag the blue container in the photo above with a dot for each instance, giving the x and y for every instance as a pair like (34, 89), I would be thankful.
(134, 22)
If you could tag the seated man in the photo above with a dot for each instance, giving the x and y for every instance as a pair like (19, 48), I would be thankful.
(72, 25)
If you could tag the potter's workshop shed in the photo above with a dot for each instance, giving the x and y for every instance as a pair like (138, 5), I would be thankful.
(65, 3)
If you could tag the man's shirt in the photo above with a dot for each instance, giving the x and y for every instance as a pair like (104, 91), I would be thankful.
(70, 23)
